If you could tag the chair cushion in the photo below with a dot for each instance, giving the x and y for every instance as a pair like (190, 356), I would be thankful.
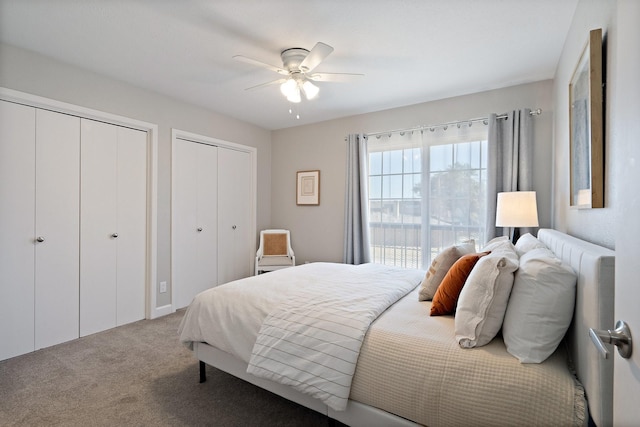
(274, 260)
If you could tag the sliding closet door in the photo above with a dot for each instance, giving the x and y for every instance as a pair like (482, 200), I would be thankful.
(17, 218)
(98, 230)
(194, 219)
(57, 228)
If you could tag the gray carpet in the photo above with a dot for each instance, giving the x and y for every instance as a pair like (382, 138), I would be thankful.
(134, 375)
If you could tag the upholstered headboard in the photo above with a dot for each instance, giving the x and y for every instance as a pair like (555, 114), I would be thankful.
(595, 267)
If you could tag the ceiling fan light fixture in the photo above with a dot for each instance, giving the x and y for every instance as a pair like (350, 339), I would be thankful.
(289, 87)
(310, 90)
(295, 97)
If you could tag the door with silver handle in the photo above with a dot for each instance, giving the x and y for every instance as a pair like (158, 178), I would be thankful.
(620, 337)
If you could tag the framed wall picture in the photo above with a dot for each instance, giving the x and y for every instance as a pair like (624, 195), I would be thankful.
(586, 108)
(308, 187)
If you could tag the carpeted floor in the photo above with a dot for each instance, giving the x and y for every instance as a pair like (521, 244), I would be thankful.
(134, 375)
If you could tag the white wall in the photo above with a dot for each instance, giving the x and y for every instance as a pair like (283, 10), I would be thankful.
(36, 74)
(596, 225)
(317, 231)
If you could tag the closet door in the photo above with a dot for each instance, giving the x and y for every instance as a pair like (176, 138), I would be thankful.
(194, 220)
(131, 223)
(113, 226)
(98, 231)
(17, 218)
(57, 228)
(235, 259)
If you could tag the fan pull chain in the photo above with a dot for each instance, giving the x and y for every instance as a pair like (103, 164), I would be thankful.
(291, 111)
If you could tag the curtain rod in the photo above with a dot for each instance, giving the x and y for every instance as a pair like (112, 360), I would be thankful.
(535, 112)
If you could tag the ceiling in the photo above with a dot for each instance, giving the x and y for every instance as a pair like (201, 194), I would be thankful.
(411, 51)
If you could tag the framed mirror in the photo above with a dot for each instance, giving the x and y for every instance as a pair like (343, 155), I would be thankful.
(586, 136)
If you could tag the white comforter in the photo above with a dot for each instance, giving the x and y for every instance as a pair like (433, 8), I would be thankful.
(312, 340)
(231, 316)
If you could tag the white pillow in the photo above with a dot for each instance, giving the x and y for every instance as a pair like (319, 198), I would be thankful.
(440, 266)
(501, 244)
(527, 242)
(483, 300)
(540, 308)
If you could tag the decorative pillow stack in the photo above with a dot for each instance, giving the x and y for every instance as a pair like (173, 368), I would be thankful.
(483, 299)
(440, 266)
(541, 306)
(525, 290)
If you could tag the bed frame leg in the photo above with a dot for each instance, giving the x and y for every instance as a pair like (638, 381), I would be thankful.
(203, 372)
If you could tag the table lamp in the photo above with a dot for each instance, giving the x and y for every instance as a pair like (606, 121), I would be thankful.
(516, 209)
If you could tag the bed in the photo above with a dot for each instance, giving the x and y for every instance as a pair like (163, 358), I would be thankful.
(410, 368)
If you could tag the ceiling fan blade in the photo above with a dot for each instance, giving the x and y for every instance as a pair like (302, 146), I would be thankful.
(251, 61)
(334, 77)
(315, 56)
(274, 82)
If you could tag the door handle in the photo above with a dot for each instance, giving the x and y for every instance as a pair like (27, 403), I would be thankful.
(620, 337)
(114, 235)
(199, 229)
(40, 239)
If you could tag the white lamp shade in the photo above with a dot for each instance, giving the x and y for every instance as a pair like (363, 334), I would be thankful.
(289, 87)
(310, 90)
(517, 209)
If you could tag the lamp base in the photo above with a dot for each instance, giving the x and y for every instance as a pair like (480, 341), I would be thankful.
(514, 234)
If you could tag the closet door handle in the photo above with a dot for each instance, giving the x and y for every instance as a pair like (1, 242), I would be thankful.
(40, 239)
(234, 227)
(114, 235)
(199, 229)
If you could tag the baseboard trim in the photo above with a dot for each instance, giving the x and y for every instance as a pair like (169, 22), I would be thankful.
(161, 311)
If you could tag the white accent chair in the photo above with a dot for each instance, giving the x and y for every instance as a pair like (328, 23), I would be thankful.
(275, 251)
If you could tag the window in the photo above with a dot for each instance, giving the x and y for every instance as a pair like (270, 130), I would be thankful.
(427, 191)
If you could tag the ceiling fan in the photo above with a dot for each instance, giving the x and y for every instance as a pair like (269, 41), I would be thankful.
(297, 71)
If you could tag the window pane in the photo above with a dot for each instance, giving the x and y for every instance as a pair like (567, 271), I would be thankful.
(395, 185)
(440, 157)
(416, 155)
(375, 163)
(395, 162)
(475, 154)
(375, 187)
(411, 188)
(463, 154)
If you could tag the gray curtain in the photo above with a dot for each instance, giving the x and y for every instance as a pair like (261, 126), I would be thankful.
(356, 218)
(509, 161)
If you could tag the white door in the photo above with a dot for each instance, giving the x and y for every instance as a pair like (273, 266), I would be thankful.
(17, 218)
(58, 226)
(234, 215)
(98, 232)
(194, 219)
(113, 226)
(131, 223)
(207, 217)
(626, 135)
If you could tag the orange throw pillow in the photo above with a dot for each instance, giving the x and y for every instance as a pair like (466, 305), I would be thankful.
(446, 297)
